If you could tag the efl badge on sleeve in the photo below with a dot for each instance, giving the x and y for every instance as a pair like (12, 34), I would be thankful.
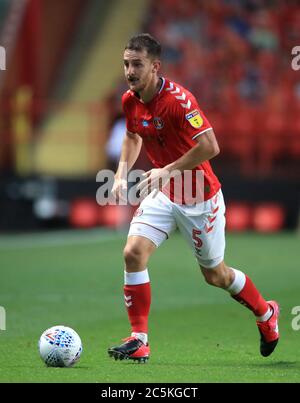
(194, 119)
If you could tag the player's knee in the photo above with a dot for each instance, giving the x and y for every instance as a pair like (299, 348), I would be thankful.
(219, 276)
(214, 279)
(133, 255)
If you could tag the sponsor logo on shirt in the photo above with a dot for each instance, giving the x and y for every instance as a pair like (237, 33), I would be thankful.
(194, 118)
(158, 123)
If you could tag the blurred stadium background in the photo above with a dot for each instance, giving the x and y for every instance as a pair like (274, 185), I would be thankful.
(61, 120)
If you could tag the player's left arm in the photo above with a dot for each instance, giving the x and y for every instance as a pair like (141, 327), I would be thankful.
(193, 125)
(206, 147)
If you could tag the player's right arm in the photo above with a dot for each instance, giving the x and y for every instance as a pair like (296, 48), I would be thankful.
(131, 148)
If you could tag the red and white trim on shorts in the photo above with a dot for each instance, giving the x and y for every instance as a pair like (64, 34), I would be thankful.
(152, 226)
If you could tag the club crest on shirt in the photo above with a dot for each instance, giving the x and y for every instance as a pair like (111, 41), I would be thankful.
(158, 123)
(194, 118)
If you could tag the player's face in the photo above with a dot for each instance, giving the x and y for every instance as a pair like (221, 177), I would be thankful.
(139, 69)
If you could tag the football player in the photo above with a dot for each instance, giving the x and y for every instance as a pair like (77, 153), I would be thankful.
(178, 138)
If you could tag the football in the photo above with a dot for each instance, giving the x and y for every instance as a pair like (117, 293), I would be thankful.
(60, 346)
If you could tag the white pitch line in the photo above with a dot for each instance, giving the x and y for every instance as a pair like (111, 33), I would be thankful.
(58, 238)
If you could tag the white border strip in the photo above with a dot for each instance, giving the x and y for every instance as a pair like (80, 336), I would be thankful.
(198, 134)
(163, 84)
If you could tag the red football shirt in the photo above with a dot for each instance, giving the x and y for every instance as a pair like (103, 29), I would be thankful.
(169, 125)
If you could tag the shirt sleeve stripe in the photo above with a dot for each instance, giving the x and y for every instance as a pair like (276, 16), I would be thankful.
(203, 131)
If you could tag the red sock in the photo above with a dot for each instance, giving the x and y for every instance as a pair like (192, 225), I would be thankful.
(137, 301)
(251, 298)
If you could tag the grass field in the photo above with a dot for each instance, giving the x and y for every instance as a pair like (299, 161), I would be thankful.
(197, 332)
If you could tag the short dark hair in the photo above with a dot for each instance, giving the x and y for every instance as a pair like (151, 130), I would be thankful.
(145, 41)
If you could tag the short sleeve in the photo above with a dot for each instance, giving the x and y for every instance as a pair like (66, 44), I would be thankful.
(190, 118)
(127, 112)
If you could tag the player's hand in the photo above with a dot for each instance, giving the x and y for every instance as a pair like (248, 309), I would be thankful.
(119, 189)
(155, 179)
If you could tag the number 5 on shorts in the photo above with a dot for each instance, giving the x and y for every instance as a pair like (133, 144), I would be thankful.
(196, 239)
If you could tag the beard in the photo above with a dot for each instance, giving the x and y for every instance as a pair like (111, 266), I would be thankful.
(136, 85)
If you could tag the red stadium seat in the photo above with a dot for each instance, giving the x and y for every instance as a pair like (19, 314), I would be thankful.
(219, 123)
(241, 137)
(271, 143)
(115, 216)
(84, 213)
(268, 217)
(238, 216)
(293, 131)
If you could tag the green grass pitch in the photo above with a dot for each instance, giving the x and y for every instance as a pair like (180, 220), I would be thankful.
(197, 332)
